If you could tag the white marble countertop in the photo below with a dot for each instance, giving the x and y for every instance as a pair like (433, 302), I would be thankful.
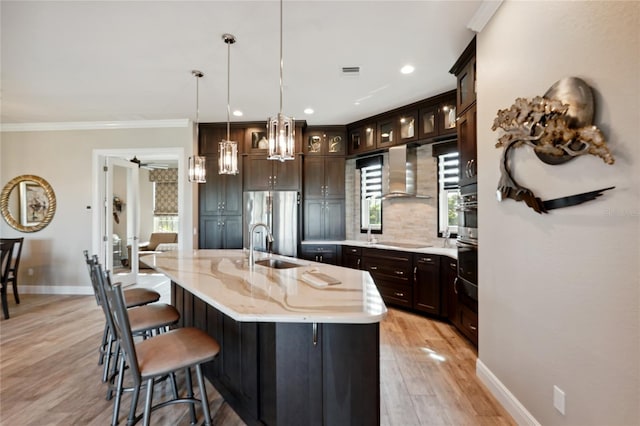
(450, 251)
(223, 279)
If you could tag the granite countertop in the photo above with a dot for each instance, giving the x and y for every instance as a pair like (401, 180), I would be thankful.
(223, 279)
(451, 251)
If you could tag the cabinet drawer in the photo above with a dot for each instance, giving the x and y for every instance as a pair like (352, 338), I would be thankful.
(396, 269)
(395, 294)
(352, 250)
(469, 323)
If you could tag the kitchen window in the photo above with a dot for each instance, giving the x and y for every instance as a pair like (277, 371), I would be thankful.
(370, 193)
(448, 189)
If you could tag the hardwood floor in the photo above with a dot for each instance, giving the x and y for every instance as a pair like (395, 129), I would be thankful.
(49, 373)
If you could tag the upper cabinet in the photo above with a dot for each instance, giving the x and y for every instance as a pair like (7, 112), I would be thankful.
(426, 121)
(361, 138)
(465, 71)
(325, 140)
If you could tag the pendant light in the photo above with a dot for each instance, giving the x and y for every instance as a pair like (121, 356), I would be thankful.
(281, 129)
(228, 149)
(197, 167)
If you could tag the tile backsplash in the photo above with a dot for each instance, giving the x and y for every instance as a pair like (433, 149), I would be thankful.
(403, 219)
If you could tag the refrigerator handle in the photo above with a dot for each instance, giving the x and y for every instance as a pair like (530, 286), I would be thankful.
(298, 197)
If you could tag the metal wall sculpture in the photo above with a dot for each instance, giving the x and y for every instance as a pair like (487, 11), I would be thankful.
(559, 127)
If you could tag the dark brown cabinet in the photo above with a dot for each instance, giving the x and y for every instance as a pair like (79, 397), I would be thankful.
(325, 140)
(220, 198)
(437, 118)
(278, 373)
(324, 177)
(262, 174)
(467, 150)
(324, 219)
(465, 71)
(323, 253)
(392, 272)
(362, 138)
(426, 283)
(352, 257)
(449, 276)
(398, 128)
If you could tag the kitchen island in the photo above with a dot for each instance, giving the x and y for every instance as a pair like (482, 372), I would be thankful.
(294, 349)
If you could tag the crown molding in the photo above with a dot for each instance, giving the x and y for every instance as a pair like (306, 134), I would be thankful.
(483, 15)
(93, 125)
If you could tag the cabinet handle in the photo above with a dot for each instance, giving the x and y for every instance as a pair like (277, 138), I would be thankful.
(320, 258)
(353, 250)
(358, 263)
(399, 272)
(415, 274)
(374, 268)
(315, 334)
(453, 265)
(455, 286)
(427, 259)
(398, 294)
(316, 257)
(472, 327)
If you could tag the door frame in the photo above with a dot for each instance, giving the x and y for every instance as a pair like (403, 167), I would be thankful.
(99, 187)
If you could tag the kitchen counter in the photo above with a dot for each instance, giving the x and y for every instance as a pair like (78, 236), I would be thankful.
(291, 352)
(451, 252)
(223, 279)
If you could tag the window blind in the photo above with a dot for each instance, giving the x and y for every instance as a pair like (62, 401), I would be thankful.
(448, 171)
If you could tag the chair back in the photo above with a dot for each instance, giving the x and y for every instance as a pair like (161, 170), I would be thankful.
(91, 261)
(6, 250)
(121, 327)
(15, 251)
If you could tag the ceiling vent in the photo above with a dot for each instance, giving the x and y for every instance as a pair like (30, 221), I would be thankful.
(350, 71)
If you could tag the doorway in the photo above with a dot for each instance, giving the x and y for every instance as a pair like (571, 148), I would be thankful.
(116, 234)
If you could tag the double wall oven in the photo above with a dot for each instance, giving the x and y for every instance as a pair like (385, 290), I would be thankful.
(467, 241)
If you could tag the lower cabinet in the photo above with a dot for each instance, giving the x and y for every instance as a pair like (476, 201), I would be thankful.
(427, 284)
(218, 232)
(323, 253)
(392, 272)
(324, 219)
(352, 257)
(290, 373)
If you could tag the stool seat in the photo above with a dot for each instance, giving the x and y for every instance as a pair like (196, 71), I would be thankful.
(140, 296)
(174, 350)
(152, 317)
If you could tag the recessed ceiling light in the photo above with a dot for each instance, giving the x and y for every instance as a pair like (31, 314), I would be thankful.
(237, 113)
(407, 69)
(309, 111)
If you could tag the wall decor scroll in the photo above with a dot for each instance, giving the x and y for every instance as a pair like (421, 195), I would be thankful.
(559, 127)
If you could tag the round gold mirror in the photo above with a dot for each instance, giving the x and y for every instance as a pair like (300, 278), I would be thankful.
(28, 203)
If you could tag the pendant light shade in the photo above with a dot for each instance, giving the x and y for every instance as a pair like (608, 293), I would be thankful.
(228, 149)
(281, 129)
(197, 166)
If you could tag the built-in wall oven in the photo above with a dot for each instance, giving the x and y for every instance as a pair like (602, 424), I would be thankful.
(467, 241)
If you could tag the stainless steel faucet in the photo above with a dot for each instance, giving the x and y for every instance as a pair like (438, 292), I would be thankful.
(251, 247)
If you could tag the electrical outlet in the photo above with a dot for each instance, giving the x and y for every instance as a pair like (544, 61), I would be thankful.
(558, 399)
(30, 272)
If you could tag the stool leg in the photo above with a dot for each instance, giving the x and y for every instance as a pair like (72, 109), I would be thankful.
(192, 405)
(203, 396)
(134, 404)
(103, 344)
(147, 403)
(116, 403)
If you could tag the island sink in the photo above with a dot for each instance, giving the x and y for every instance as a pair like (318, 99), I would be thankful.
(277, 264)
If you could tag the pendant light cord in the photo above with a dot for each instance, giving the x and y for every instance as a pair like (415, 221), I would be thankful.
(228, 88)
(281, 60)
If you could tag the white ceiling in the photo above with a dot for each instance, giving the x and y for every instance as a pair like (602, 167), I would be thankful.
(77, 61)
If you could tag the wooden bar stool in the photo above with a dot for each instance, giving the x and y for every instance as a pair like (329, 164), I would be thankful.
(159, 356)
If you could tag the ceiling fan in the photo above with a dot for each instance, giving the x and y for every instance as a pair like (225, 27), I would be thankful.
(149, 166)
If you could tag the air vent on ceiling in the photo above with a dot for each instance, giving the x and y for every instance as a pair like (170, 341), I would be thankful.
(350, 71)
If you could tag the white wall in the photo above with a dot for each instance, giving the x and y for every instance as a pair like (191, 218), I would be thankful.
(559, 292)
(64, 159)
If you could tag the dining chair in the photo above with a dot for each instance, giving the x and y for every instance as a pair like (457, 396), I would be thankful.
(6, 249)
(14, 263)
(156, 357)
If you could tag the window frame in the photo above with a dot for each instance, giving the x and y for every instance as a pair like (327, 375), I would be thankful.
(365, 164)
(447, 153)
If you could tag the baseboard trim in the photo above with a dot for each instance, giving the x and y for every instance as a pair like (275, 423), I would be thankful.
(510, 403)
(80, 290)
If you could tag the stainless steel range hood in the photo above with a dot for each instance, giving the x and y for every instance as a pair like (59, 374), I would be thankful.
(403, 173)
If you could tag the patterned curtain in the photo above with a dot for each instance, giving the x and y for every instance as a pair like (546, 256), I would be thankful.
(166, 183)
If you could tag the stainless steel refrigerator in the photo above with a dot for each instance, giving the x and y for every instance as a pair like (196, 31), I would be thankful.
(277, 209)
